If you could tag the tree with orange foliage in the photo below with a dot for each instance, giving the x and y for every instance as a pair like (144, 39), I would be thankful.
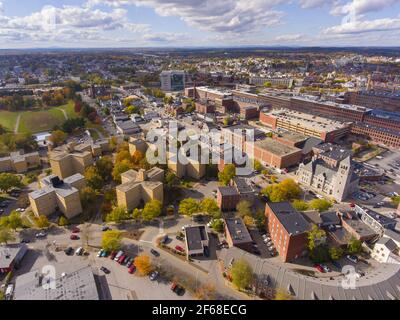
(143, 264)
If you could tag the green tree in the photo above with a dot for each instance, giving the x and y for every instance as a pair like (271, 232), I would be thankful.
(111, 240)
(58, 137)
(171, 179)
(9, 181)
(244, 208)
(335, 253)
(88, 197)
(396, 200)
(93, 178)
(189, 206)
(227, 174)
(6, 235)
(218, 225)
(242, 274)
(354, 246)
(300, 205)
(320, 204)
(118, 214)
(151, 210)
(315, 236)
(63, 221)
(104, 167)
(210, 207)
(14, 220)
(286, 190)
(42, 222)
(120, 168)
(257, 165)
(260, 219)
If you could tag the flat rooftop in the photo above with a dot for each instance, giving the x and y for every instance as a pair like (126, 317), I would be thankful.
(292, 136)
(238, 231)
(275, 147)
(228, 191)
(305, 120)
(195, 236)
(78, 284)
(351, 107)
(291, 220)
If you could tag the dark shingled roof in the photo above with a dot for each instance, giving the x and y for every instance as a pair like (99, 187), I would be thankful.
(238, 231)
(228, 191)
(194, 237)
(291, 220)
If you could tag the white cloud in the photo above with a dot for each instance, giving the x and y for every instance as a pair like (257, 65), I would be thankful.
(360, 7)
(365, 26)
(213, 15)
(166, 37)
(308, 4)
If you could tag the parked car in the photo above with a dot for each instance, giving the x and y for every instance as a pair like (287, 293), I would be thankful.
(41, 234)
(100, 253)
(118, 255)
(153, 276)
(165, 239)
(105, 254)
(79, 251)
(105, 270)
(179, 248)
(105, 228)
(121, 259)
(337, 264)
(176, 288)
(130, 262)
(112, 255)
(74, 237)
(25, 241)
(319, 268)
(325, 267)
(125, 261)
(154, 253)
(132, 269)
(76, 230)
(69, 251)
(180, 238)
(352, 258)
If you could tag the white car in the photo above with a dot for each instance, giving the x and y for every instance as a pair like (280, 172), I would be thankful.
(41, 235)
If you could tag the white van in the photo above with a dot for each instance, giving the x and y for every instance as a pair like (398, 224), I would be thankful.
(9, 291)
(79, 251)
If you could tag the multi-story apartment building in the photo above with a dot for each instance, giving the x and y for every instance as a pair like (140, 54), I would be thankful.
(387, 137)
(73, 158)
(288, 229)
(58, 195)
(140, 187)
(20, 162)
(281, 82)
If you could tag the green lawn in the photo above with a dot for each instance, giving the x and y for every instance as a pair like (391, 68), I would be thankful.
(37, 120)
(8, 119)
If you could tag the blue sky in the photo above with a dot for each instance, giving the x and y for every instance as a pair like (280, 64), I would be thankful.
(136, 23)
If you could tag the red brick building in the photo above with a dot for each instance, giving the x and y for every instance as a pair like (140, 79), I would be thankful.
(205, 107)
(227, 198)
(288, 230)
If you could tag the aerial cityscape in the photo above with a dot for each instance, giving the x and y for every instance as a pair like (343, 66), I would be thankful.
(200, 150)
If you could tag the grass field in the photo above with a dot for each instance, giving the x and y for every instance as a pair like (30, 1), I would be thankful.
(8, 119)
(37, 121)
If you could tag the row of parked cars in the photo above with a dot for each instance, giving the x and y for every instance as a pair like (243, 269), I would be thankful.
(270, 245)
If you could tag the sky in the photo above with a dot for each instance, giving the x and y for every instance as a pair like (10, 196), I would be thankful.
(198, 23)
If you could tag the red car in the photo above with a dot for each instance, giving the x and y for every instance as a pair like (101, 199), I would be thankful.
(76, 230)
(112, 255)
(131, 269)
(179, 248)
(319, 268)
(121, 259)
(74, 237)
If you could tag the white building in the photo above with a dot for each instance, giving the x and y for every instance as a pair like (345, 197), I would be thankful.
(385, 251)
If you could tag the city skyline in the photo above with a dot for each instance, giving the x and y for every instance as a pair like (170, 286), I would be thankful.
(202, 23)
